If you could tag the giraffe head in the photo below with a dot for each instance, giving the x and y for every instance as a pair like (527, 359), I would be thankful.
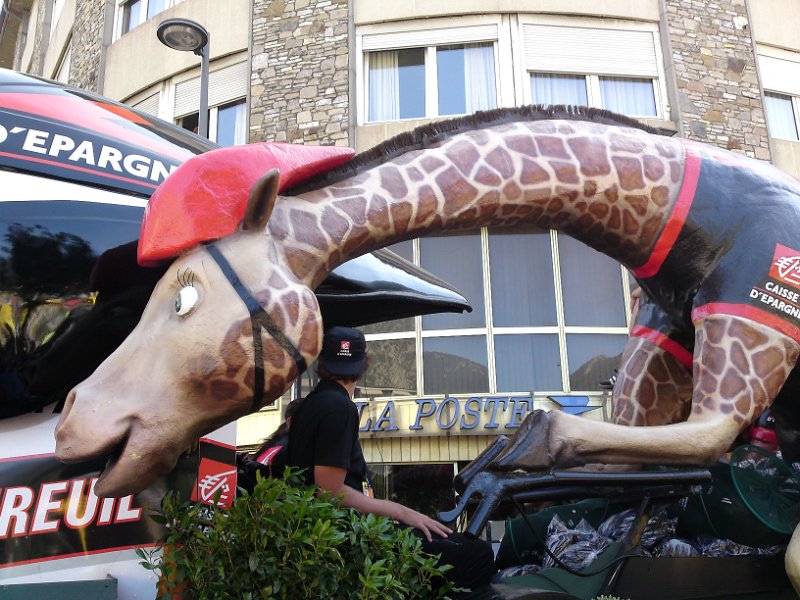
(195, 361)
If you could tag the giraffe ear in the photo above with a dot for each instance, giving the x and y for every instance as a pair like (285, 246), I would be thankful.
(261, 201)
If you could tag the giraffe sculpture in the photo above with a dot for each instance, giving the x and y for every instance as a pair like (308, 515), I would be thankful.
(708, 234)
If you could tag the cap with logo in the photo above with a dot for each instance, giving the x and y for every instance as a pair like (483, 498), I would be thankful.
(344, 351)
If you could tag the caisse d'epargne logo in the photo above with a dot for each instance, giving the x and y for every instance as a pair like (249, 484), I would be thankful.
(786, 266)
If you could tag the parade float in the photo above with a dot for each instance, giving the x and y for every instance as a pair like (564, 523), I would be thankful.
(714, 345)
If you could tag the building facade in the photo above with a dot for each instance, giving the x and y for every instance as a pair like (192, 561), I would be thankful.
(550, 316)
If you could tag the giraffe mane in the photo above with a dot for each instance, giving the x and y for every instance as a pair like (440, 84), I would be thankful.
(426, 135)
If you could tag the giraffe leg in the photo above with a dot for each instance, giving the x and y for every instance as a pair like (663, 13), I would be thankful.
(653, 387)
(739, 368)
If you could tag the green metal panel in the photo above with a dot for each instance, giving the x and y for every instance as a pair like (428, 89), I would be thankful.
(96, 589)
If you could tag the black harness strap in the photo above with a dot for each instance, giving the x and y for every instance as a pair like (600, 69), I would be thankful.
(260, 319)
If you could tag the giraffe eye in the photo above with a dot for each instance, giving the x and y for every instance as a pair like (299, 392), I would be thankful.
(185, 300)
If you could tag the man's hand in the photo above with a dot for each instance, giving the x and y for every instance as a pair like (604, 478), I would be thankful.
(422, 522)
(332, 479)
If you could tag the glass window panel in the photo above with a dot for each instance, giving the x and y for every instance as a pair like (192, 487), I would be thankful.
(425, 488)
(384, 83)
(523, 292)
(780, 116)
(411, 64)
(397, 84)
(450, 72)
(547, 88)
(52, 255)
(466, 78)
(232, 124)
(480, 82)
(527, 363)
(455, 365)
(190, 122)
(591, 286)
(592, 359)
(628, 96)
(156, 6)
(457, 260)
(131, 15)
(58, 6)
(403, 249)
(392, 369)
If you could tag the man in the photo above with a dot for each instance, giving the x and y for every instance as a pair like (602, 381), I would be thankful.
(323, 440)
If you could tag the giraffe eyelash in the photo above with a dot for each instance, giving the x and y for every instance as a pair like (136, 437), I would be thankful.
(185, 278)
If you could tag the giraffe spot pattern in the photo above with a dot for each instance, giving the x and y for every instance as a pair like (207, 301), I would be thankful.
(306, 228)
(464, 156)
(591, 154)
(392, 181)
(501, 162)
(630, 172)
(565, 172)
(459, 192)
(551, 147)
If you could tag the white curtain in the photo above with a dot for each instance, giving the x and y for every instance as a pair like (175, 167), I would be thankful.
(479, 77)
(384, 86)
(240, 125)
(780, 117)
(558, 89)
(632, 97)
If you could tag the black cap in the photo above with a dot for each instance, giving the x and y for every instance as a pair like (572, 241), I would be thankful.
(344, 351)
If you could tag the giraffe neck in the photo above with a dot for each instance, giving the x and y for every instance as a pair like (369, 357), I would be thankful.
(610, 187)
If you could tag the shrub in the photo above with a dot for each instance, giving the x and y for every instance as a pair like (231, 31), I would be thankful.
(287, 542)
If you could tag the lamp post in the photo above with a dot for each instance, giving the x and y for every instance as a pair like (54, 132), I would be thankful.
(189, 36)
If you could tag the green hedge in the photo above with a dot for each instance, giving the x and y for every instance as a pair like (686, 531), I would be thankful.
(288, 542)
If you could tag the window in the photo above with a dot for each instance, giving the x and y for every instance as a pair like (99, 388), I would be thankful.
(780, 74)
(227, 114)
(427, 488)
(58, 7)
(231, 124)
(782, 114)
(624, 95)
(133, 13)
(227, 124)
(434, 81)
(615, 69)
(548, 316)
(62, 72)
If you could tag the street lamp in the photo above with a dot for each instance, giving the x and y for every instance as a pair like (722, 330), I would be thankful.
(188, 36)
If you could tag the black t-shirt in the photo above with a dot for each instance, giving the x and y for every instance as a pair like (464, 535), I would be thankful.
(324, 432)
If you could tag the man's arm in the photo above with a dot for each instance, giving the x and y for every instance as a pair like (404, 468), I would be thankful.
(332, 480)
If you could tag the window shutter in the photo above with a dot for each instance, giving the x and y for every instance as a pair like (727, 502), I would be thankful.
(149, 105)
(590, 51)
(228, 83)
(429, 37)
(779, 75)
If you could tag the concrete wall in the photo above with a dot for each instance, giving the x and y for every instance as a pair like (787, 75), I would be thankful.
(370, 11)
(138, 59)
(775, 22)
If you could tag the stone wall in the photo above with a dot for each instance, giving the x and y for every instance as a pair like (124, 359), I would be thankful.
(88, 46)
(715, 69)
(299, 82)
(40, 15)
